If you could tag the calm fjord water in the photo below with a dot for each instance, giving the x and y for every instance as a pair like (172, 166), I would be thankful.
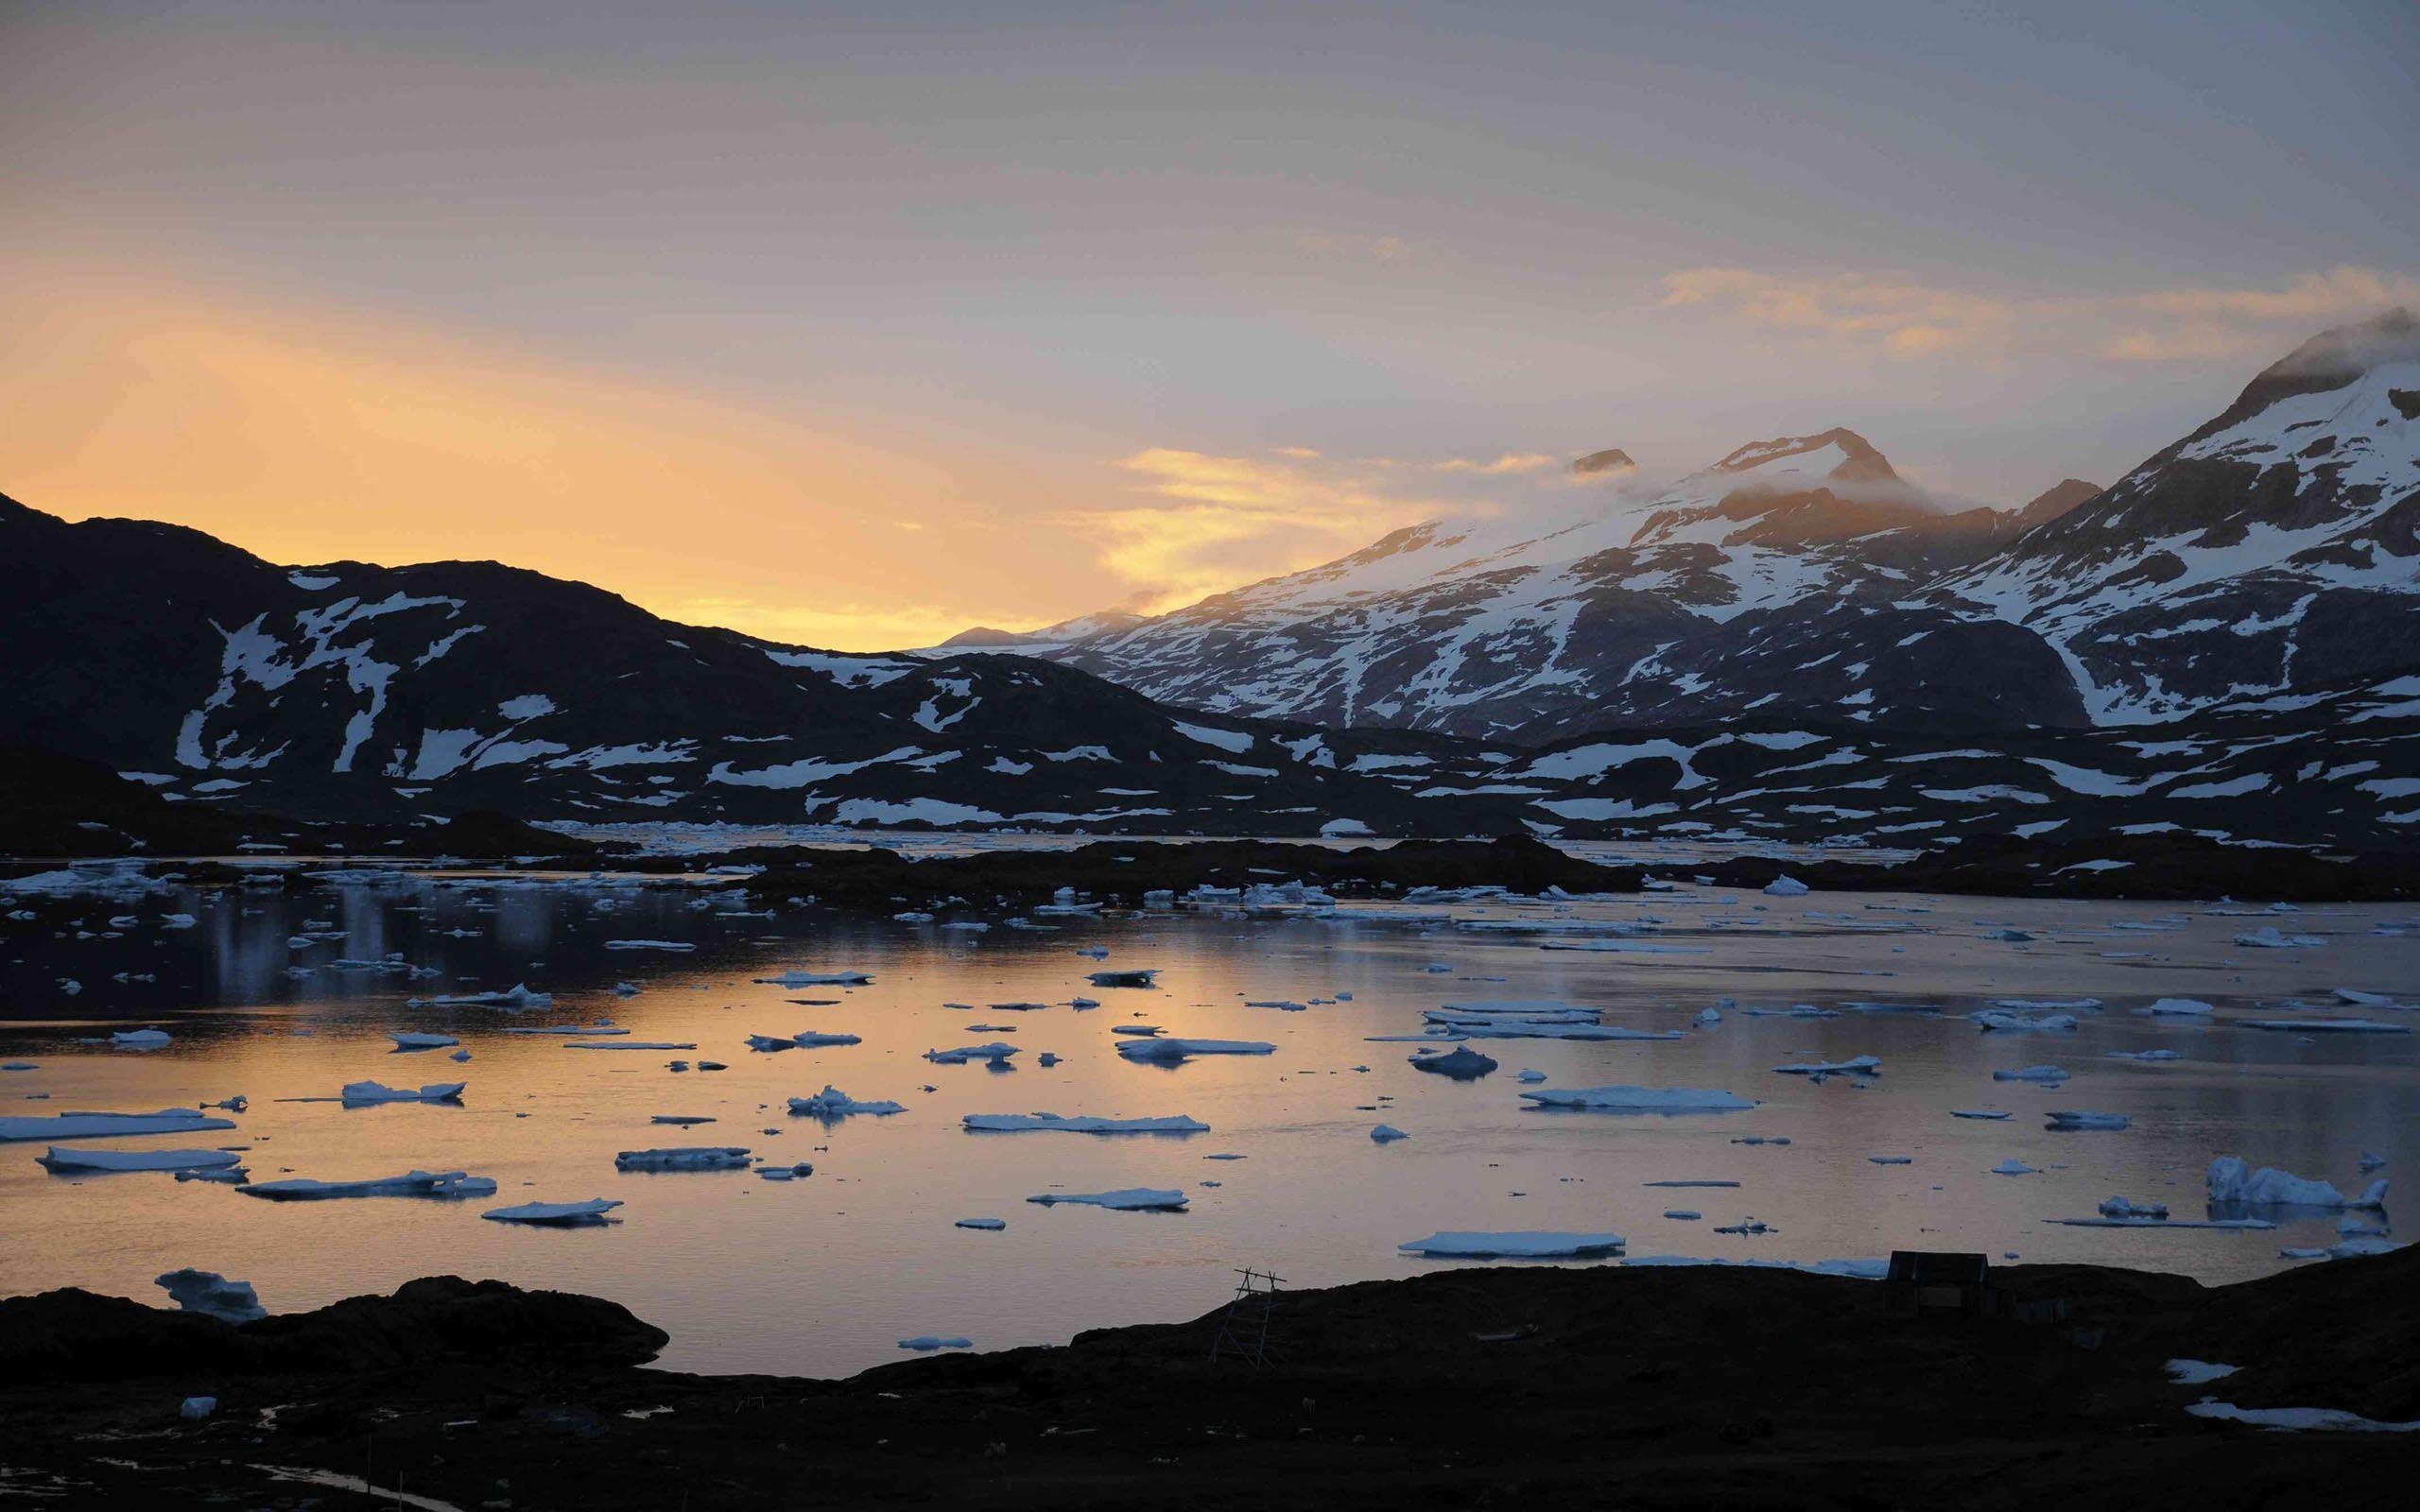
(824, 1275)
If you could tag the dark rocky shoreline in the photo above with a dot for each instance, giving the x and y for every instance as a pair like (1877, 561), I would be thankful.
(1502, 1387)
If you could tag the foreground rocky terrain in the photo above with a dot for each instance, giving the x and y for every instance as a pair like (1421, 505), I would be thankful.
(1554, 1387)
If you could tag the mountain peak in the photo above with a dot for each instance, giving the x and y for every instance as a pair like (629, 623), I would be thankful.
(1857, 460)
(2328, 360)
(1612, 460)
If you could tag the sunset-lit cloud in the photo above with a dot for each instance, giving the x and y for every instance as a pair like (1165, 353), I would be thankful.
(1858, 314)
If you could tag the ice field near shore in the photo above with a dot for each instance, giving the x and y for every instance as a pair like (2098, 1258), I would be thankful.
(282, 995)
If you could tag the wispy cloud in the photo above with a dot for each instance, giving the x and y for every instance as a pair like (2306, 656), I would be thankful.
(1200, 523)
(1864, 314)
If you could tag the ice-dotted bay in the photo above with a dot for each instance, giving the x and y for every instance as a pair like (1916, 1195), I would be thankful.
(1548, 1098)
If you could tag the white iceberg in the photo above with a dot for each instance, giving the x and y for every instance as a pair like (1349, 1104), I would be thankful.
(1641, 1099)
(2266, 937)
(2231, 1181)
(1517, 1245)
(1786, 887)
(2123, 1207)
(412, 1039)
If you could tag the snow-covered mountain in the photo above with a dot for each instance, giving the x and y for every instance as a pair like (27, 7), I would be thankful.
(358, 691)
(2275, 551)
(2275, 548)
(1781, 579)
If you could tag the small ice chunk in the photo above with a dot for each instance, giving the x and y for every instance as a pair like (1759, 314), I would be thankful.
(2077, 1118)
(2198, 1373)
(2126, 1208)
(413, 1039)
(1460, 1064)
(1991, 1019)
(1035, 1123)
(996, 1052)
(442, 1184)
(1642, 1099)
(64, 1162)
(214, 1296)
(1854, 1066)
(557, 1215)
(2178, 1009)
(988, 1225)
(1388, 1133)
(1532, 1076)
(2299, 1420)
(363, 1093)
(2037, 1073)
(1129, 1199)
(684, 1157)
(1160, 1048)
(139, 1039)
(816, 979)
(834, 1103)
(2013, 1166)
(1140, 976)
(194, 1409)
(1786, 887)
(933, 1340)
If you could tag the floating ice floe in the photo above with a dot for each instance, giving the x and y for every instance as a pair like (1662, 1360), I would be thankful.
(1641, 1099)
(139, 1039)
(1387, 1134)
(445, 1184)
(816, 979)
(644, 945)
(934, 1341)
(2124, 1208)
(685, 1158)
(1532, 1076)
(1864, 1270)
(2013, 1166)
(1516, 1245)
(2082, 1119)
(2046, 1075)
(1891, 1160)
(516, 997)
(1786, 887)
(214, 1296)
(1463, 1064)
(1129, 1199)
(557, 1215)
(987, 1225)
(2357, 998)
(2266, 937)
(1139, 1030)
(1036, 1123)
(2324, 1025)
(997, 1052)
(89, 1126)
(2178, 1008)
(560, 1030)
(785, 1173)
(2231, 1181)
(2163, 1222)
(1141, 976)
(1854, 1066)
(2047, 1005)
(77, 1162)
(1496, 1028)
(361, 1093)
(834, 1103)
(1990, 1020)
(1159, 1049)
(633, 1045)
(2145, 1054)
(2298, 1420)
(410, 1040)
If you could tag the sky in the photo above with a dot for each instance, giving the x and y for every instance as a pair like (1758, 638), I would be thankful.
(859, 325)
